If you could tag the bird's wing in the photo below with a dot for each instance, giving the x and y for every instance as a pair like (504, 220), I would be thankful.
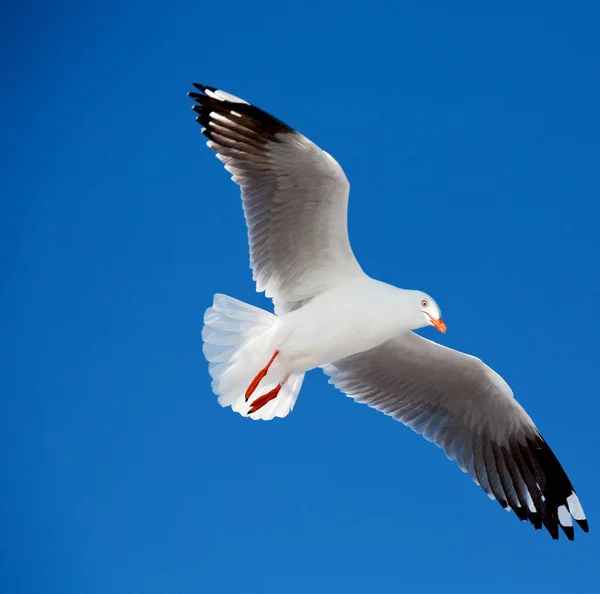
(466, 408)
(295, 199)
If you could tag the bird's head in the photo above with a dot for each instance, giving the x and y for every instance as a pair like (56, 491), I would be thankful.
(430, 311)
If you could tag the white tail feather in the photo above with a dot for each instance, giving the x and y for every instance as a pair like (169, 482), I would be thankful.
(238, 344)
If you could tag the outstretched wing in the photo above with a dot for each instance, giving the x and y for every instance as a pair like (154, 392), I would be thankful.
(467, 409)
(295, 199)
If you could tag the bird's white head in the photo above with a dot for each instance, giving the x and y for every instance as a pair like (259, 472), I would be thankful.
(429, 311)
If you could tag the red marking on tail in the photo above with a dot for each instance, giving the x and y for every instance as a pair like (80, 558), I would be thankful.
(254, 383)
(262, 400)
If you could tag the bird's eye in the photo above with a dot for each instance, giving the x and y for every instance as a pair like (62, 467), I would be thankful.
(424, 303)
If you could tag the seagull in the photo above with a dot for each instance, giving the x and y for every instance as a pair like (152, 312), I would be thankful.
(328, 313)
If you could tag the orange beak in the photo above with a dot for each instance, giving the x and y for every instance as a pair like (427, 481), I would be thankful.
(438, 324)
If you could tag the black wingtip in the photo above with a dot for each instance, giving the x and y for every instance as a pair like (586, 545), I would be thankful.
(583, 524)
(536, 520)
(569, 532)
(201, 87)
(256, 122)
(520, 512)
(204, 88)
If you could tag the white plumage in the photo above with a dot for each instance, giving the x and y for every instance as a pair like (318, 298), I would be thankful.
(330, 314)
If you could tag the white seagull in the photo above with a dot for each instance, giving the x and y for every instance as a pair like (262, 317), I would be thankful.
(330, 314)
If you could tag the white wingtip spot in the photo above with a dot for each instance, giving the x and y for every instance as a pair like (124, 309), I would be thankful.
(575, 507)
(530, 504)
(219, 117)
(224, 96)
(564, 517)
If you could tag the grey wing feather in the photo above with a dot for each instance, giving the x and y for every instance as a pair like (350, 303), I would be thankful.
(469, 411)
(295, 199)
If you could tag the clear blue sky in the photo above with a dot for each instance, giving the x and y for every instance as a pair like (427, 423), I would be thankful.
(470, 135)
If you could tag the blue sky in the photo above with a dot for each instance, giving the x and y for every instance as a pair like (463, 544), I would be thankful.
(470, 135)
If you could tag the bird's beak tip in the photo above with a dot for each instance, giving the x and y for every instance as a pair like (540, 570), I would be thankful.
(440, 325)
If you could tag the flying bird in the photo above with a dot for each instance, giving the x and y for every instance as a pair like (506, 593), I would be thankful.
(328, 313)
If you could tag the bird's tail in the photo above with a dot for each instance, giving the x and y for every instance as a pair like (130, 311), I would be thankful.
(238, 344)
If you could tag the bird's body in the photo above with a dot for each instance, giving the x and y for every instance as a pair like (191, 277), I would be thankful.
(331, 314)
(319, 333)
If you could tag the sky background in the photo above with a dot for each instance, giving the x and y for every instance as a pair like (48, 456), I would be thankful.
(470, 135)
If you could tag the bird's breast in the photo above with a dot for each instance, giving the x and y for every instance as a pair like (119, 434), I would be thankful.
(332, 327)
